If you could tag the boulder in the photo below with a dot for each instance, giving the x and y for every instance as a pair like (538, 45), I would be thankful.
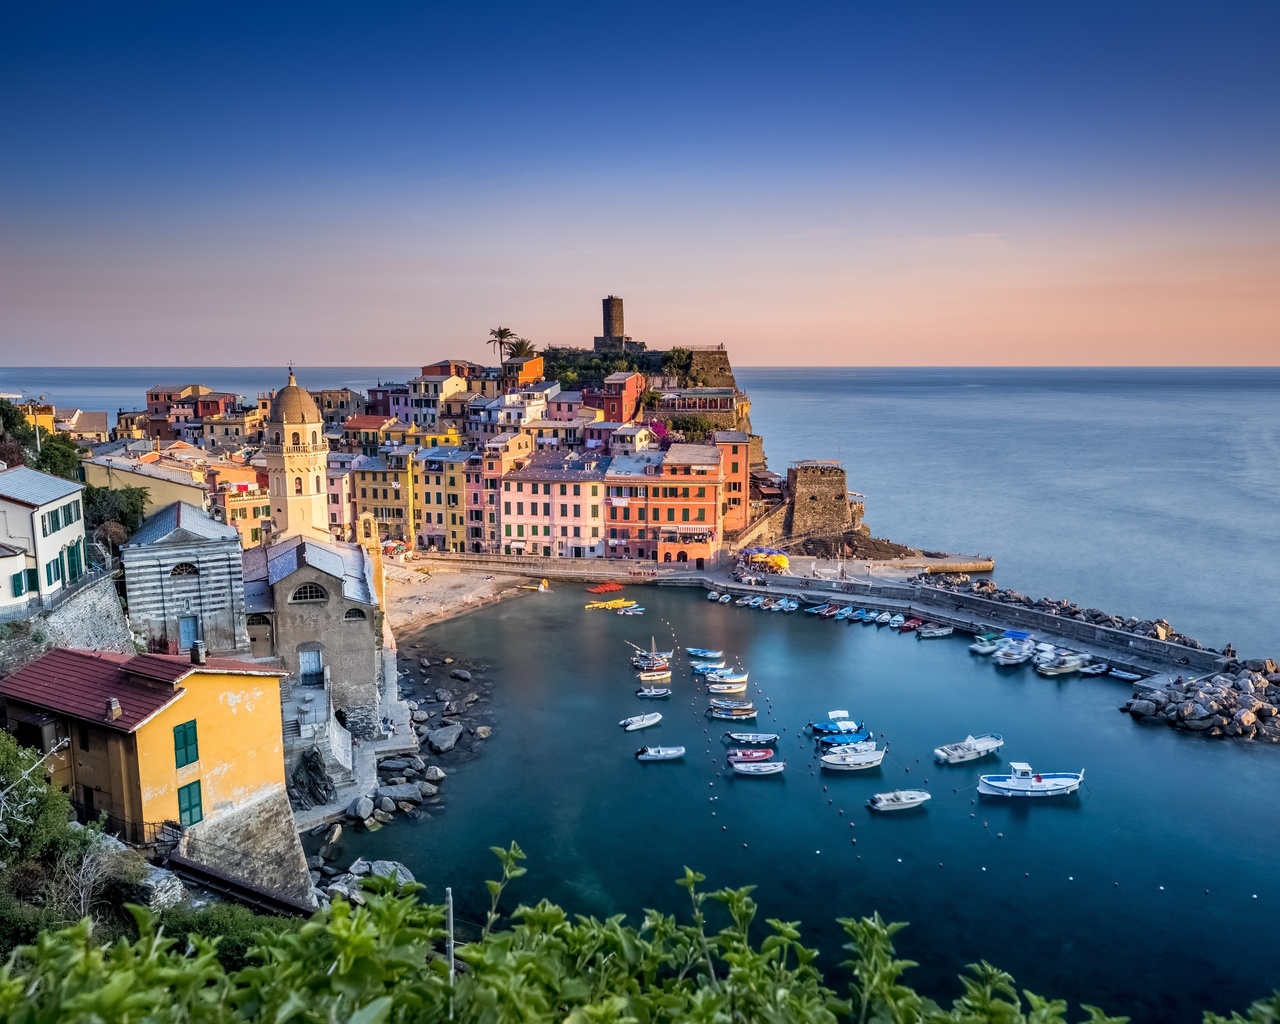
(470, 699)
(419, 716)
(315, 863)
(416, 762)
(1244, 718)
(433, 773)
(443, 694)
(461, 674)
(334, 834)
(426, 789)
(391, 869)
(386, 817)
(386, 804)
(361, 807)
(1265, 710)
(407, 807)
(455, 707)
(359, 866)
(392, 764)
(1142, 709)
(447, 661)
(444, 739)
(405, 791)
(424, 662)
(328, 853)
(1198, 724)
(483, 732)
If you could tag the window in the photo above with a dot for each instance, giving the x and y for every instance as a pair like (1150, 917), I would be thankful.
(255, 534)
(297, 485)
(353, 614)
(595, 490)
(84, 736)
(297, 438)
(52, 571)
(702, 515)
(733, 466)
(577, 490)
(671, 515)
(564, 510)
(564, 488)
(19, 581)
(186, 750)
(702, 492)
(189, 810)
(684, 515)
(308, 592)
(184, 569)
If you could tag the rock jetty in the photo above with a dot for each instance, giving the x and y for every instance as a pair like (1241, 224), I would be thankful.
(1156, 629)
(1241, 703)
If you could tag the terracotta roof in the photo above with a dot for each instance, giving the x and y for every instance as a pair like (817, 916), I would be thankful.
(371, 422)
(81, 683)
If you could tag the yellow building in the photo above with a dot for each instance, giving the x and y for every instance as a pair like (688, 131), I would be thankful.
(41, 417)
(381, 486)
(165, 484)
(156, 742)
(433, 437)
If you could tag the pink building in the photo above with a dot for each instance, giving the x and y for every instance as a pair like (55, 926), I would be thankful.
(553, 506)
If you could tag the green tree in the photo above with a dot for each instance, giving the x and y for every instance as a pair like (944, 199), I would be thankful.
(58, 455)
(499, 339)
(694, 428)
(123, 505)
(520, 347)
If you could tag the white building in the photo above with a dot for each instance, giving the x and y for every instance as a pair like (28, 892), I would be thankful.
(42, 546)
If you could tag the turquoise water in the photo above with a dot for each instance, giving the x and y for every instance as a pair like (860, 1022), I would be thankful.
(1031, 887)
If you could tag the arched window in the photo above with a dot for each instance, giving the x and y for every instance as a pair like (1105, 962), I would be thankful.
(308, 592)
(257, 619)
(297, 438)
(277, 437)
(297, 485)
(184, 569)
(354, 613)
(318, 487)
(313, 437)
(368, 529)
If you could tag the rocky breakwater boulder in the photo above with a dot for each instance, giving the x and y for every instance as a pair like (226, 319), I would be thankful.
(1242, 704)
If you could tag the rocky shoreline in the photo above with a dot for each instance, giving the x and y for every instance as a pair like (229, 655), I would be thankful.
(1245, 704)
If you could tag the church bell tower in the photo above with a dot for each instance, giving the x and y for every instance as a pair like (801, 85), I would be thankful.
(297, 459)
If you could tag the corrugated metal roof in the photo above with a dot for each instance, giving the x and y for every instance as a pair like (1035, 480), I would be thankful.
(181, 516)
(29, 486)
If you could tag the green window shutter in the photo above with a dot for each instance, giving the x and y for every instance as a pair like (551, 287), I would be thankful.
(19, 584)
(186, 749)
(190, 811)
(33, 579)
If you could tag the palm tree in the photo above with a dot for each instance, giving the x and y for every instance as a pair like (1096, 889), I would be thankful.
(519, 347)
(500, 338)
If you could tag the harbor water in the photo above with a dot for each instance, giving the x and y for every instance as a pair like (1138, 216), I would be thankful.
(1099, 897)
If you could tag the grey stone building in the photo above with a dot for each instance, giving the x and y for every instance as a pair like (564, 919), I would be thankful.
(314, 606)
(183, 579)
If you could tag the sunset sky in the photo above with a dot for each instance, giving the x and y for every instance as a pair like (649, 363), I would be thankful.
(1032, 182)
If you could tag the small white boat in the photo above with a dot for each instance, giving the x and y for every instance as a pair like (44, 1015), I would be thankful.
(659, 676)
(743, 601)
(752, 737)
(659, 753)
(899, 800)
(792, 605)
(768, 604)
(1060, 665)
(987, 643)
(746, 754)
(1096, 668)
(726, 598)
(1022, 781)
(1119, 673)
(1014, 652)
(932, 631)
(755, 602)
(727, 688)
(713, 595)
(722, 702)
(726, 675)
(640, 721)
(654, 691)
(702, 667)
(759, 767)
(896, 622)
(703, 653)
(883, 619)
(732, 714)
(969, 749)
(845, 760)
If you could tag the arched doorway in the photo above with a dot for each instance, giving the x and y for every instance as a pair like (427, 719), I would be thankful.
(682, 556)
(700, 563)
(666, 556)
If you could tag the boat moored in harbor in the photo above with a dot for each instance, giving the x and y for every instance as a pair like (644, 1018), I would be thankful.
(845, 760)
(640, 721)
(899, 800)
(759, 767)
(968, 749)
(659, 753)
(654, 691)
(1022, 781)
(752, 737)
(703, 653)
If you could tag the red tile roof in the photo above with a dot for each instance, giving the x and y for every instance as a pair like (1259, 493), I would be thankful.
(81, 683)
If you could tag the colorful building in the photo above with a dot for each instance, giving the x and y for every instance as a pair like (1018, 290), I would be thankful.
(619, 397)
(631, 531)
(246, 508)
(735, 461)
(42, 542)
(552, 506)
(427, 391)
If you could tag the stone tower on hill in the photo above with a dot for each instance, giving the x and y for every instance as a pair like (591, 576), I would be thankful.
(614, 338)
(296, 454)
(820, 502)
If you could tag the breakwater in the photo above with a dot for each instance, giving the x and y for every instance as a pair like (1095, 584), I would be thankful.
(1242, 703)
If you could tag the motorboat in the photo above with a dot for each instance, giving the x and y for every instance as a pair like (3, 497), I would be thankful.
(699, 667)
(713, 595)
(640, 721)
(654, 691)
(1128, 677)
(721, 702)
(727, 688)
(752, 737)
(836, 722)
(659, 753)
(1060, 665)
(933, 631)
(656, 676)
(884, 618)
(845, 739)
(1095, 668)
(726, 598)
(756, 602)
(744, 600)
(911, 625)
(897, 621)
(985, 643)
(759, 767)
(969, 749)
(1014, 652)
(899, 800)
(703, 653)
(852, 760)
(1022, 781)
(732, 714)
(749, 753)
(726, 675)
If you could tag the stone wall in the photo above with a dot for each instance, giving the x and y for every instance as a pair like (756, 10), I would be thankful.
(819, 499)
(91, 619)
(257, 842)
(214, 595)
(711, 369)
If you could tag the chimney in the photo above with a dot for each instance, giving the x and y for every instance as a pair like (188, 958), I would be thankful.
(198, 656)
(114, 710)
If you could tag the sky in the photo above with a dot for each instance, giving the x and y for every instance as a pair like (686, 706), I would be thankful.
(1039, 182)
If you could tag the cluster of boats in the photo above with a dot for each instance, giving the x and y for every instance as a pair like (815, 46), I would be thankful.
(1016, 647)
(764, 604)
(618, 604)
(872, 616)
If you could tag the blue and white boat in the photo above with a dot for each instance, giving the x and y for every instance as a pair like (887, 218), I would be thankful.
(845, 739)
(703, 653)
(897, 621)
(884, 618)
(756, 602)
(702, 667)
(836, 722)
(724, 675)
(726, 598)
(1022, 781)
(859, 616)
(843, 613)
(713, 595)
(817, 609)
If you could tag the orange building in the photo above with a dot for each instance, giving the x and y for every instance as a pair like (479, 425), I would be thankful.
(519, 371)
(735, 462)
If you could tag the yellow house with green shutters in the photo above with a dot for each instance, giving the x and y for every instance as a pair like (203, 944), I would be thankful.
(158, 745)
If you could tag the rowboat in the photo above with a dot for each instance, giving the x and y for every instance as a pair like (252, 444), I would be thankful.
(1097, 668)
(1022, 781)
(756, 602)
(727, 688)
(640, 721)
(837, 722)
(852, 760)
(745, 754)
(703, 653)
(842, 613)
(911, 625)
(732, 714)
(897, 621)
(899, 800)
(726, 675)
(713, 595)
(969, 749)
(701, 668)
(659, 753)
(845, 739)
(726, 598)
(859, 616)
(654, 691)
(656, 676)
(884, 618)
(817, 609)
(752, 737)
(647, 664)
(744, 600)
(933, 631)
(759, 767)
(721, 702)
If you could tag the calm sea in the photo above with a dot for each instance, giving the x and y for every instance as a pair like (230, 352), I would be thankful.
(1148, 492)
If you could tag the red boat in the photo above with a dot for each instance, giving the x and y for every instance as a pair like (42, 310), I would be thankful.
(604, 588)
(741, 754)
(911, 625)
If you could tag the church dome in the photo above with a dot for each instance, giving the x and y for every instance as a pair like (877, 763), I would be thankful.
(293, 405)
